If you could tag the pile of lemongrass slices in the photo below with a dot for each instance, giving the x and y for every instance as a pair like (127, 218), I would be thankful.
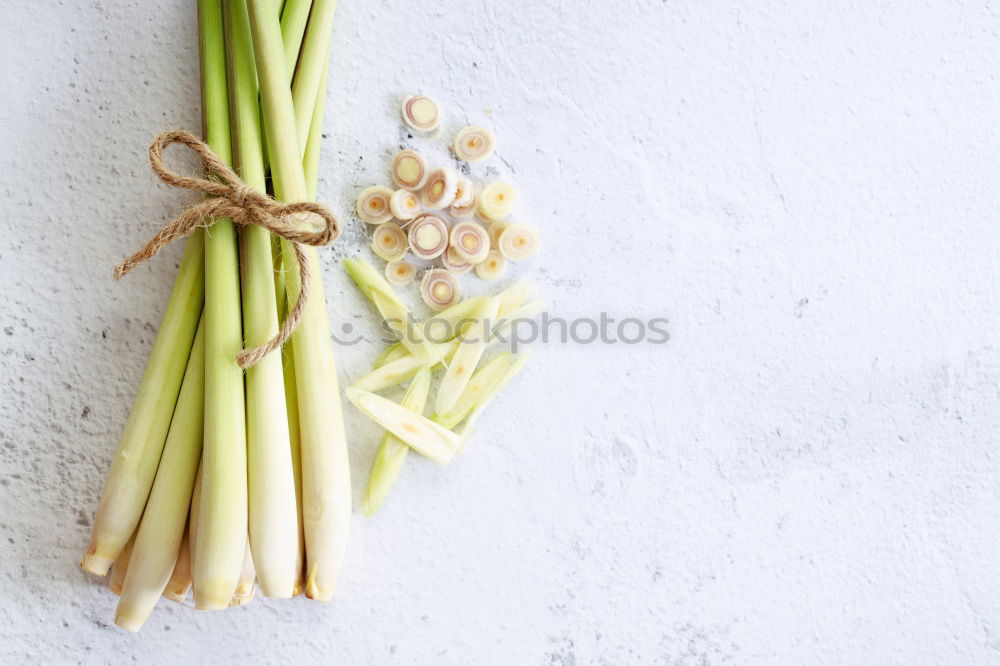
(455, 342)
(223, 478)
(438, 219)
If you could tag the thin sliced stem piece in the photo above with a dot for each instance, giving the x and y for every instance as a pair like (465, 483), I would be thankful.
(409, 170)
(220, 542)
(390, 374)
(326, 483)
(400, 273)
(270, 479)
(482, 381)
(160, 537)
(492, 267)
(466, 358)
(440, 289)
(392, 308)
(419, 433)
(392, 451)
(487, 397)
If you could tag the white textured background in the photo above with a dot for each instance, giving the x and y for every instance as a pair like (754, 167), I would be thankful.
(805, 473)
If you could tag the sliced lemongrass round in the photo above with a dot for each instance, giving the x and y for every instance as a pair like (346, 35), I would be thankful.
(494, 231)
(439, 190)
(421, 113)
(440, 289)
(470, 241)
(428, 235)
(492, 267)
(463, 212)
(389, 241)
(373, 204)
(474, 144)
(454, 263)
(404, 204)
(465, 192)
(400, 273)
(409, 170)
(496, 200)
(518, 242)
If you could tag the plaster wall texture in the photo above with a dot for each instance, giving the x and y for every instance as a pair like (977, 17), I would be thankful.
(804, 473)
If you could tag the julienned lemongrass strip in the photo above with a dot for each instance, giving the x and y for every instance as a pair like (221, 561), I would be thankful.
(470, 421)
(390, 374)
(484, 379)
(273, 521)
(392, 451)
(444, 324)
(393, 310)
(222, 525)
(161, 532)
(180, 578)
(384, 376)
(135, 462)
(418, 432)
(326, 484)
(311, 69)
(474, 339)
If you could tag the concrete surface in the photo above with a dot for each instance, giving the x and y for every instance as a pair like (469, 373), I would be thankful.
(805, 473)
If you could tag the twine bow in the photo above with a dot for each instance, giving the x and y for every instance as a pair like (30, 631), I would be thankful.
(232, 198)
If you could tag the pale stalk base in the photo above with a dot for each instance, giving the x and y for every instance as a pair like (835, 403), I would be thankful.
(96, 564)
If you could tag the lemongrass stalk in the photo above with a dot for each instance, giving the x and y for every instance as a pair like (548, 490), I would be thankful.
(482, 382)
(180, 578)
(418, 432)
(309, 73)
(120, 569)
(487, 397)
(292, 411)
(161, 532)
(222, 524)
(294, 18)
(393, 310)
(310, 160)
(463, 363)
(134, 465)
(193, 516)
(271, 482)
(392, 451)
(246, 587)
(326, 483)
(390, 374)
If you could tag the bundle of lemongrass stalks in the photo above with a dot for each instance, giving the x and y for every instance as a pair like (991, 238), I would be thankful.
(223, 477)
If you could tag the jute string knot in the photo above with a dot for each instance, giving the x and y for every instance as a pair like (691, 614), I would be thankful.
(230, 197)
